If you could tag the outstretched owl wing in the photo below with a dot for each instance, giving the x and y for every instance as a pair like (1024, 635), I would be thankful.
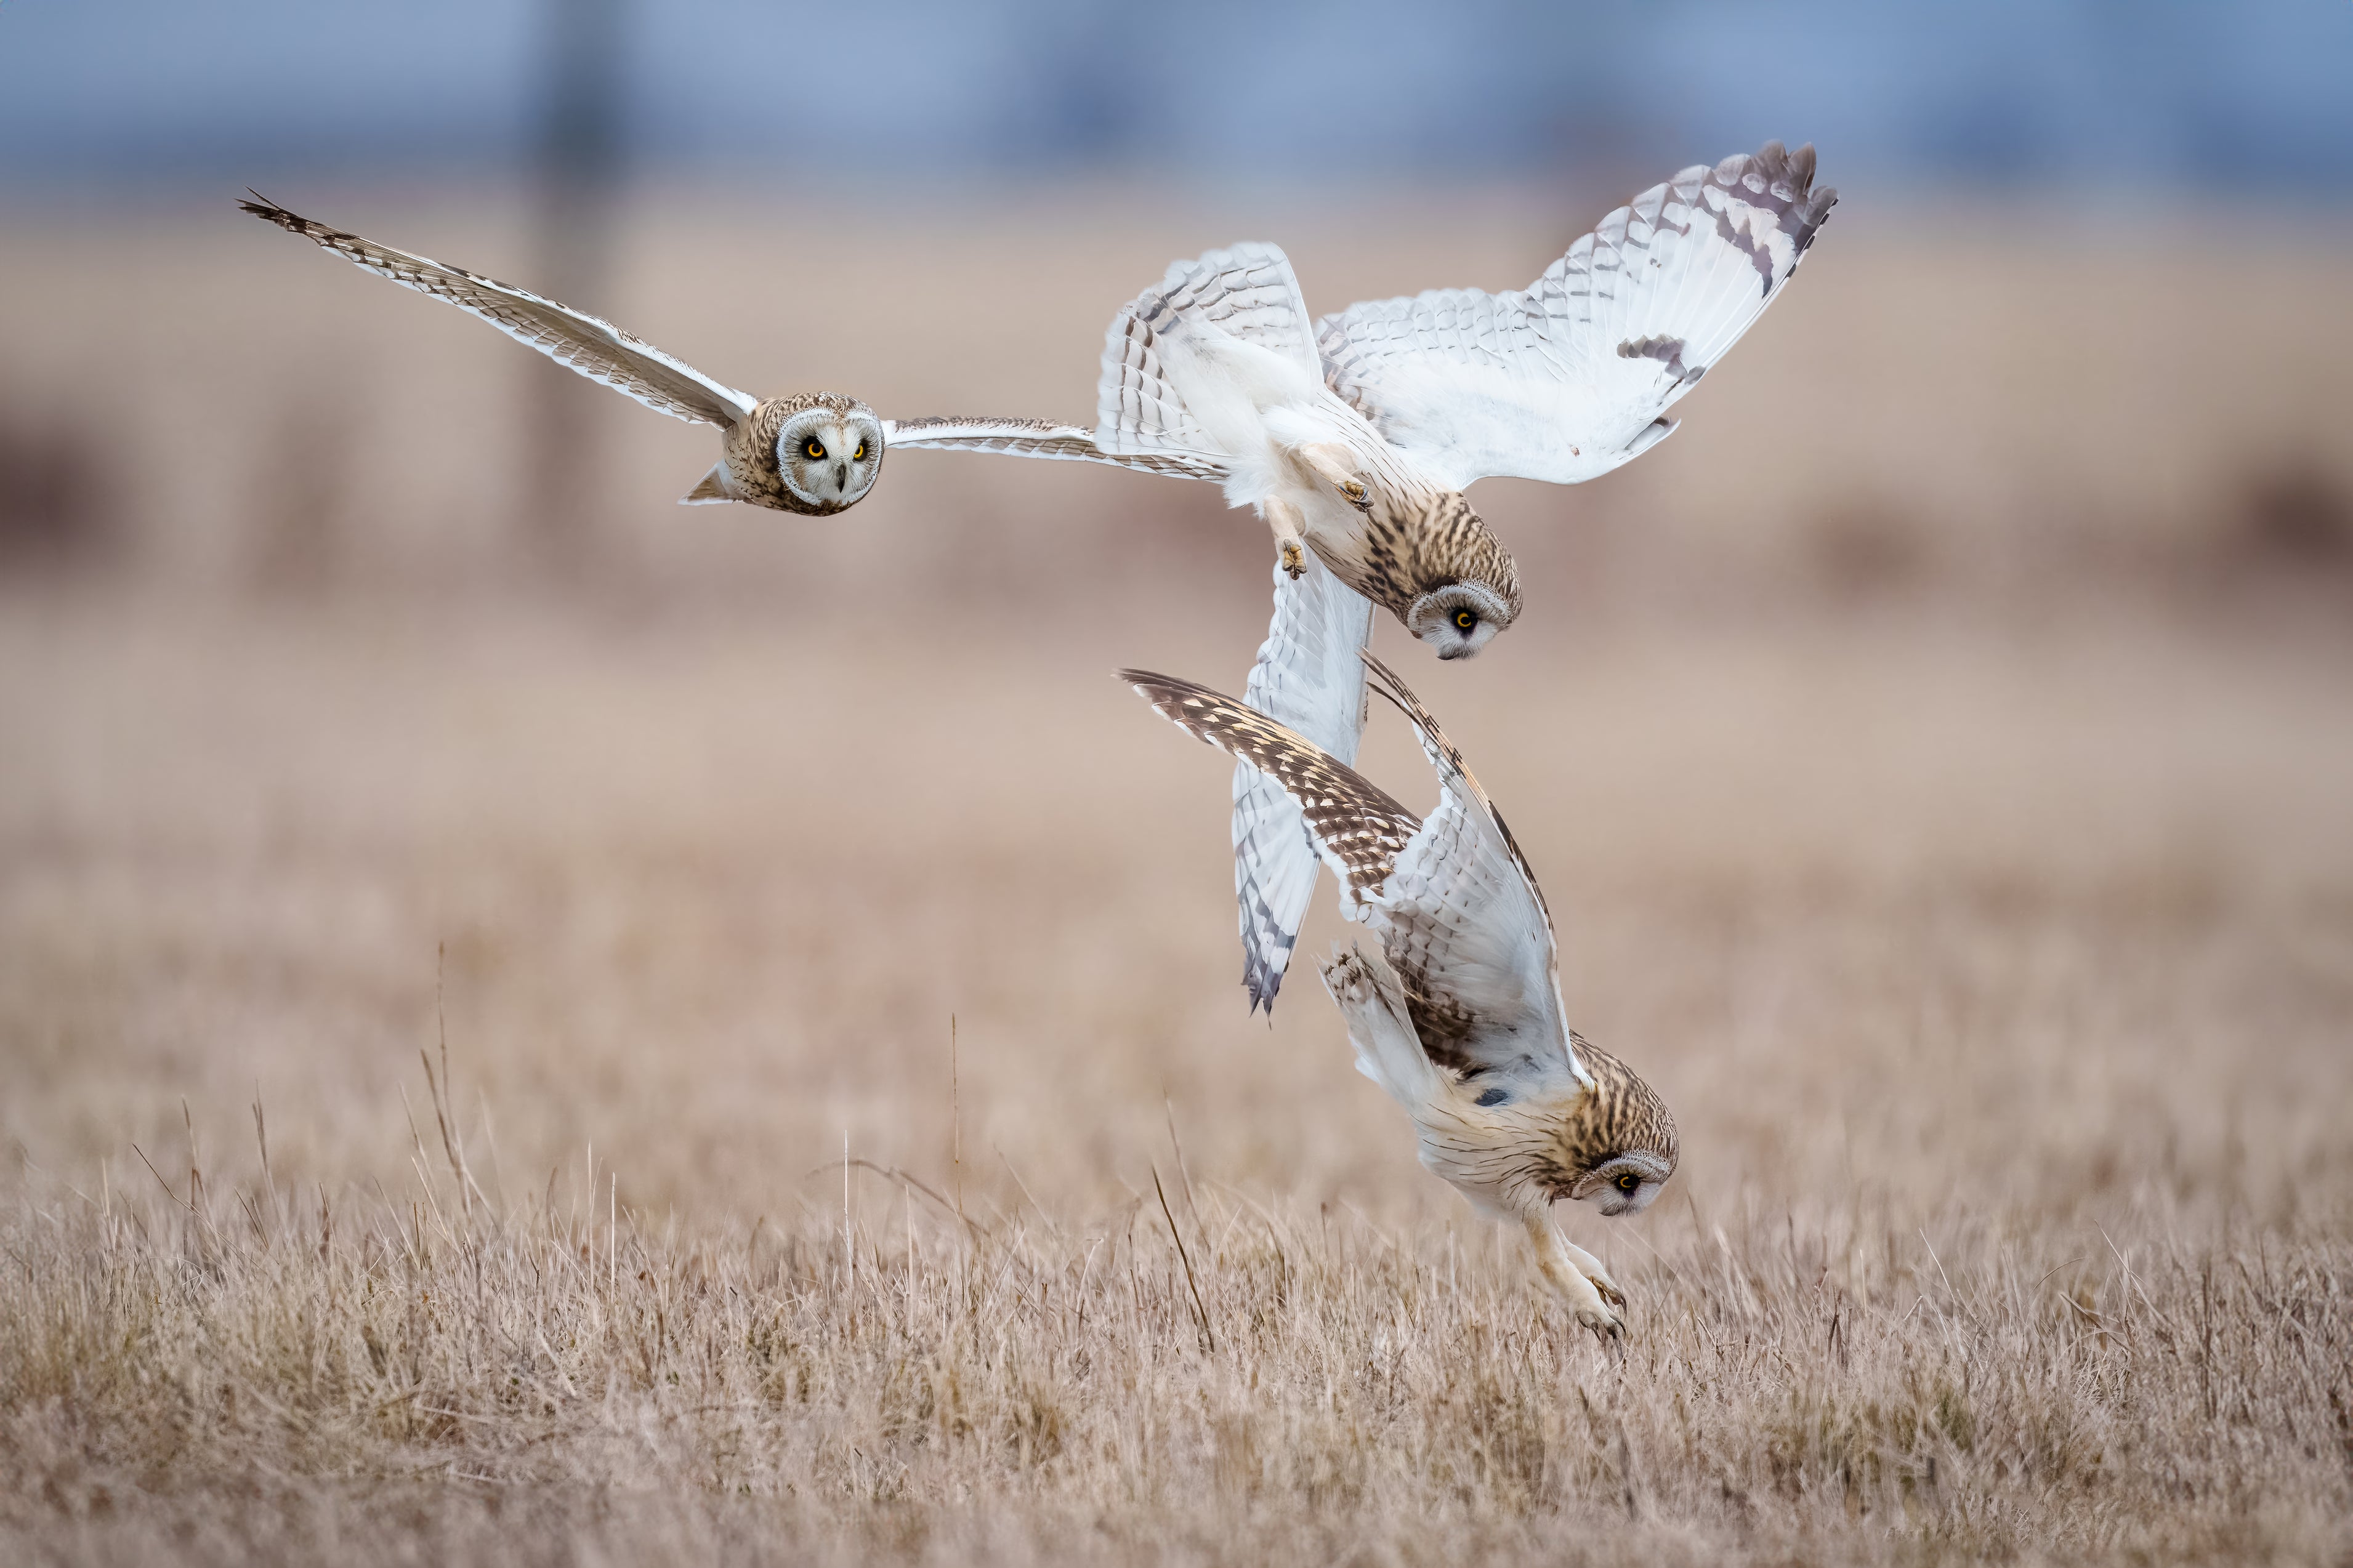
(596, 349)
(1310, 678)
(1245, 291)
(1570, 377)
(1043, 438)
(1457, 912)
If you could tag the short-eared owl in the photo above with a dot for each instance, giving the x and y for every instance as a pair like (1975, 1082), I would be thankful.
(815, 453)
(1355, 436)
(1458, 1017)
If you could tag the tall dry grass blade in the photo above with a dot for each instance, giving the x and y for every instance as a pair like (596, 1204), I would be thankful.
(1201, 1311)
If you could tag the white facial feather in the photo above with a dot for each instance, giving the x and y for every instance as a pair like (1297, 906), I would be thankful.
(827, 459)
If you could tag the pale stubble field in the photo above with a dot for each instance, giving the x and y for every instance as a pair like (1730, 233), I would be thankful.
(1983, 906)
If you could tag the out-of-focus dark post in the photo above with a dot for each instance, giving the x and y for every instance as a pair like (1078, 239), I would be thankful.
(579, 178)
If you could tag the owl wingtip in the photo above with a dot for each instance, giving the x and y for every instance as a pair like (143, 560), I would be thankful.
(1261, 984)
(261, 207)
(1144, 683)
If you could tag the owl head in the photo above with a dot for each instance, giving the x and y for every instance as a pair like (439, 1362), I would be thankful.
(1618, 1147)
(1458, 619)
(1466, 586)
(829, 453)
(1626, 1182)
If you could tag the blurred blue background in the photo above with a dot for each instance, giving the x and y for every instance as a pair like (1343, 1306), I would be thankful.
(2159, 189)
(2093, 94)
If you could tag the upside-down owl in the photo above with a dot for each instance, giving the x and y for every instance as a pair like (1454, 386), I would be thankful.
(1355, 436)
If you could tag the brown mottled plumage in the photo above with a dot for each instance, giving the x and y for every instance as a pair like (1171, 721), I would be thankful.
(1458, 1017)
(1357, 824)
(1413, 540)
(1619, 1111)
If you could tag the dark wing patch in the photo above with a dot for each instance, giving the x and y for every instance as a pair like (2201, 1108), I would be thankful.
(1550, 382)
(1668, 351)
(1357, 824)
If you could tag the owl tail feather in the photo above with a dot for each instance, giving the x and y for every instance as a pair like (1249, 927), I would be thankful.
(711, 491)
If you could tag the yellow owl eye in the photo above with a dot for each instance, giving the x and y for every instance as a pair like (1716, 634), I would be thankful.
(1465, 619)
(1629, 1181)
(859, 454)
(816, 450)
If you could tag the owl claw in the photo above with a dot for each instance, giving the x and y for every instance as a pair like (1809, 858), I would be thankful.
(1293, 561)
(1335, 464)
(1578, 1275)
(1607, 1325)
(1589, 1269)
(1607, 1286)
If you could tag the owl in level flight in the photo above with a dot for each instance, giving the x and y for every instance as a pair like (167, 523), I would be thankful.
(815, 453)
(1458, 1017)
(1354, 435)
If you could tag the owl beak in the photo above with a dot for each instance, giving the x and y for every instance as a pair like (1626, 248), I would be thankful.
(841, 478)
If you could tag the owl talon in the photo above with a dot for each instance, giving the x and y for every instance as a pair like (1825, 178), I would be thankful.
(1589, 1267)
(1337, 466)
(1294, 561)
(1579, 1276)
(1607, 1286)
(1607, 1325)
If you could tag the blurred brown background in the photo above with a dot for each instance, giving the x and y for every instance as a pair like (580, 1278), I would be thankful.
(1941, 749)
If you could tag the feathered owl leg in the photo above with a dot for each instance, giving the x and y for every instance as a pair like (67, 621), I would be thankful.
(1591, 1267)
(1337, 467)
(1555, 1256)
(1289, 525)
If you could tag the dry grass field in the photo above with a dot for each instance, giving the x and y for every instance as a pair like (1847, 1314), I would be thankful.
(435, 1008)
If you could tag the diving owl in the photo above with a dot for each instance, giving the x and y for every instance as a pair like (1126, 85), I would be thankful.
(1458, 1017)
(815, 453)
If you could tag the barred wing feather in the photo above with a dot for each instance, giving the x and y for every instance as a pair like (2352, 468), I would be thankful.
(1310, 678)
(1463, 922)
(1042, 439)
(595, 347)
(1458, 915)
(1571, 376)
(1247, 292)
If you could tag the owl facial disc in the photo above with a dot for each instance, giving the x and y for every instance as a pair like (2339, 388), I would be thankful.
(1459, 619)
(1624, 1184)
(827, 459)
